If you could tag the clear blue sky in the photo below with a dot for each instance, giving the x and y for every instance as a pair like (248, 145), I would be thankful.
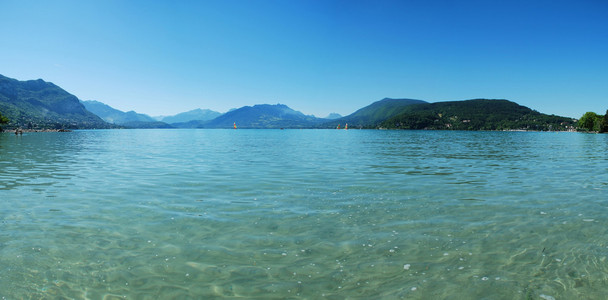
(166, 57)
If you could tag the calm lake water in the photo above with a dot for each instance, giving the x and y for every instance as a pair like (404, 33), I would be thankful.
(310, 214)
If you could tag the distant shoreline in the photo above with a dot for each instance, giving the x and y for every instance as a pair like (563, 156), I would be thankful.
(18, 131)
(21, 131)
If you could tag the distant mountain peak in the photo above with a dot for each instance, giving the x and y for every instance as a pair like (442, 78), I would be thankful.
(264, 116)
(333, 116)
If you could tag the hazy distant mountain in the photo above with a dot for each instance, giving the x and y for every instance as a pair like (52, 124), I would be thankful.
(264, 116)
(332, 116)
(477, 114)
(193, 115)
(375, 113)
(115, 116)
(118, 117)
(41, 104)
(190, 124)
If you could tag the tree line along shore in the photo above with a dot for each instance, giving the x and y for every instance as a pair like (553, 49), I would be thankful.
(590, 122)
(593, 122)
(407, 114)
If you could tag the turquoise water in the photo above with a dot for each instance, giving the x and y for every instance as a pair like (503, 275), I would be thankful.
(303, 214)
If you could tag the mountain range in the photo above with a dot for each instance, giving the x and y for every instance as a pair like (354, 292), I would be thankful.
(195, 114)
(264, 116)
(40, 104)
(115, 116)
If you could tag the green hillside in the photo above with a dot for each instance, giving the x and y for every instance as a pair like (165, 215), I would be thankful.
(43, 105)
(3, 120)
(478, 114)
(375, 113)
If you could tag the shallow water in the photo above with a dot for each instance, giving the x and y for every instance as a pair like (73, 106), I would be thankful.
(340, 214)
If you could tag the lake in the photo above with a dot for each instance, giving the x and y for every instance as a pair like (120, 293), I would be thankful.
(303, 214)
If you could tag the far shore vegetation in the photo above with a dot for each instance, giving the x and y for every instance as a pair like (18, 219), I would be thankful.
(592, 122)
(3, 120)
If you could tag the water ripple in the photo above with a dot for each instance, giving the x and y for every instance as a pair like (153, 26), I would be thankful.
(303, 214)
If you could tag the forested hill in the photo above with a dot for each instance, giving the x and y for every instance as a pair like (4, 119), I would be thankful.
(478, 114)
(41, 104)
(373, 114)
